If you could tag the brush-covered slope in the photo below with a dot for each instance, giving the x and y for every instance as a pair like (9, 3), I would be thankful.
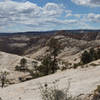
(71, 48)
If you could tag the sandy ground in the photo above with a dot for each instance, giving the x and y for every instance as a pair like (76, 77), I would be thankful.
(82, 81)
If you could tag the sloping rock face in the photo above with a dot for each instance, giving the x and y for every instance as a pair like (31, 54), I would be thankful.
(82, 82)
(21, 44)
(71, 48)
(10, 61)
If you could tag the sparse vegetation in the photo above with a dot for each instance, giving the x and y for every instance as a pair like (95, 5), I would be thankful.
(76, 65)
(46, 67)
(23, 62)
(54, 49)
(98, 53)
(86, 58)
(35, 47)
(49, 63)
(22, 66)
(96, 95)
(93, 64)
(54, 93)
(91, 55)
(3, 77)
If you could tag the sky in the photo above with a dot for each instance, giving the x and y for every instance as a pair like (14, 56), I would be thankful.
(46, 15)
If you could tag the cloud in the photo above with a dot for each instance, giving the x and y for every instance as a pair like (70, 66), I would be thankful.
(52, 9)
(28, 14)
(94, 17)
(92, 3)
(73, 15)
(22, 16)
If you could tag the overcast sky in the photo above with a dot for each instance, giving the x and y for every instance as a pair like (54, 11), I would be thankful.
(43, 15)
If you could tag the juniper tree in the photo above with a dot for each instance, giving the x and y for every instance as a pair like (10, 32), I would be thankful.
(45, 68)
(23, 62)
(98, 53)
(86, 57)
(93, 54)
(54, 49)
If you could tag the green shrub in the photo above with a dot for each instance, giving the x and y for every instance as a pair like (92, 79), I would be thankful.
(86, 57)
(91, 55)
(23, 61)
(22, 66)
(17, 68)
(47, 67)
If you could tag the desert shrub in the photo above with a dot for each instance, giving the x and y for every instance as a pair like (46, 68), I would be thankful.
(98, 53)
(75, 59)
(86, 57)
(23, 62)
(98, 88)
(91, 55)
(77, 65)
(46, 67)
(93, 64)
(34, 73)
(65, 65)
(22, 66)
(17, 68)
(25, 78)
(54, 93)
(96, 95)
(1, 98)
(63, 68)
(3, 77)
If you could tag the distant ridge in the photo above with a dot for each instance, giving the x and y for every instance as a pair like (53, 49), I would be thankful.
(47, 32)
(21, 43)
(28, 33)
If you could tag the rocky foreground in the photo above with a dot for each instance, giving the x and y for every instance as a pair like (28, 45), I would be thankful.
(82, 82)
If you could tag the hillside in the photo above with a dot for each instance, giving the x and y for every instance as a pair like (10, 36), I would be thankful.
(33, 47)
(9, 62)
(71, 48)
(82, 82)
(28, 42)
